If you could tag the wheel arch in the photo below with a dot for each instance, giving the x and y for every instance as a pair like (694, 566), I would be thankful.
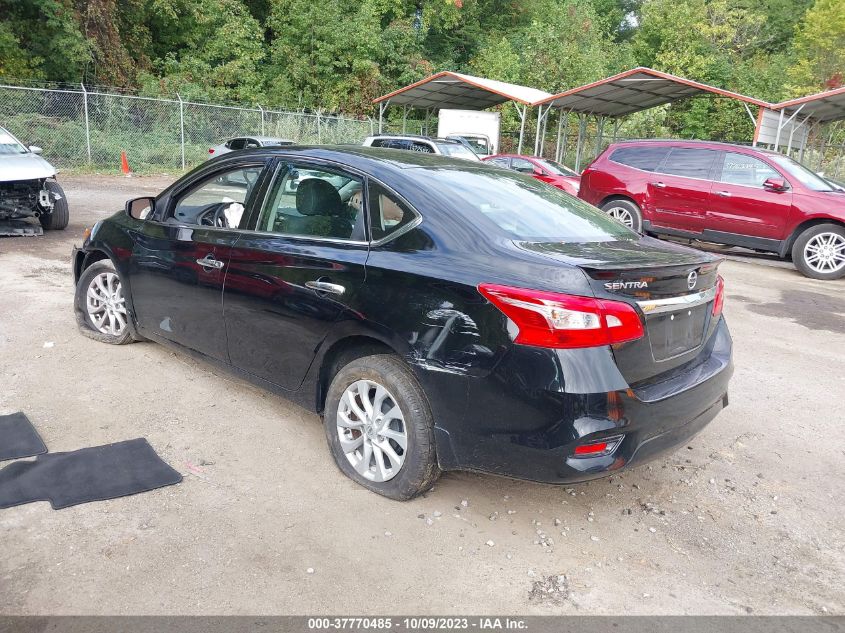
(618, 196)
(786, 249)
(85, 259)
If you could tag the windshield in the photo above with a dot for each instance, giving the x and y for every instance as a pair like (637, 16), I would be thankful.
(456, 150)
(10, 145)
(524, 208)
(809, 179)
(556, 168)
(478, 144)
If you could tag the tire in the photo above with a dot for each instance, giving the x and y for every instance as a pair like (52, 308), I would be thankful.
(827, 243)
(105, 271)
(625, 211)
(418, 469)
(58, 218)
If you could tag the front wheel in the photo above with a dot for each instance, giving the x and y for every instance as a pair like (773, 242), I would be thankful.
(626, 212)
(101, 305)
(380, 429)
(819, 252)
(58, 218)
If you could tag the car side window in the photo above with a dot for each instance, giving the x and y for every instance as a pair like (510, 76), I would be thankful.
(251, 143)
(689, 162)
(378, 142)
(742, 169)
(219, 200)
(645, 158)
(387, 213)
(501, 162)
(236, 143)
(310, 201)
(522, 166)
(421, 147)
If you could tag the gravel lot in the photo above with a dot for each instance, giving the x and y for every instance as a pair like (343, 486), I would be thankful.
(746, 519)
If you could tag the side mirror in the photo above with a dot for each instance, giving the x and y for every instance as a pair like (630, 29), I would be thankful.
(140, 208)
(35, 149)
(538, 172)
(775, 184)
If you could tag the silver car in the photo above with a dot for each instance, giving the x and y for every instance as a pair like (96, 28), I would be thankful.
(246, 142)
(28, 189)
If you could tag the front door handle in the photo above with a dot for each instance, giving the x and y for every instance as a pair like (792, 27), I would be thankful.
(210, 262)
(724, 194)
(659, 185)
(325, 286)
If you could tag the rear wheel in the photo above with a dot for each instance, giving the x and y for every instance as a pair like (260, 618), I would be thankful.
(101, 305)
(626, 212)
(380, 429)
(819, 252)
(58, 218)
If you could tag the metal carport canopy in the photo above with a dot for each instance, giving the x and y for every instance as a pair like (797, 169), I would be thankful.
(822, 107)
(635, 90)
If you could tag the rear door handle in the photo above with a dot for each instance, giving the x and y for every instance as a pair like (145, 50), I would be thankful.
(659, 185)
(724, 194)
(325, 286)
(210, 262)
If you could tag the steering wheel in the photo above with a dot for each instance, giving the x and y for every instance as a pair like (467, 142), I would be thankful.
(215, 215)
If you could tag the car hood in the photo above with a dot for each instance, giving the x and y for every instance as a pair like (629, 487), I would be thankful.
(24, 167)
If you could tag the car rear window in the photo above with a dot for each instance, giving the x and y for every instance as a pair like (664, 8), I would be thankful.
(523, 208)
(645, 158)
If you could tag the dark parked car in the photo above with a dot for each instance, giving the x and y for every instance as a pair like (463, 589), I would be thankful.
(722, 193)
(544, 170)
(439, 314)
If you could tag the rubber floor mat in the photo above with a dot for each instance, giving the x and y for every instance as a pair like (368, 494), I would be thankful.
(18, 438)
(89, 474)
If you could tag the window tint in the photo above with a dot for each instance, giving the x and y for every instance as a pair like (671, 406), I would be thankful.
(522, 208)
(387, 213)
(645, 158)
(742, 169)
(422, 147)
(251, 143)
(379, 142)
(523, 166)
(236, 143)
(689, 162)
(501, 162)
(219, 200)
(314, 202)
(400, 144)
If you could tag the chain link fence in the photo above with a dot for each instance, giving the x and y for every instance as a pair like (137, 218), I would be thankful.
(88, 130)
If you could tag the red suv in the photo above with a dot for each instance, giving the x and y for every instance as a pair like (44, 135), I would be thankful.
(542, 169)
(728, 194)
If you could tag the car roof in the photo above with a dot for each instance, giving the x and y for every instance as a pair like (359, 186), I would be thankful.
(417, 137)
(703, 144)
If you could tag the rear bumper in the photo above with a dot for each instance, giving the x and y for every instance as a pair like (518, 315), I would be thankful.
(536, 439)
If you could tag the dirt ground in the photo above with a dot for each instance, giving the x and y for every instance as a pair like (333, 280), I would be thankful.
(746, 519)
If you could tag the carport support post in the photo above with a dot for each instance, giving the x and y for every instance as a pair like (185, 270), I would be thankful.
(261, 110)
(181, 128)
(599, 135)
(382, 108)
(522, 113)
(404, 118)
(559, 130)
(582, 128)
(87, 127)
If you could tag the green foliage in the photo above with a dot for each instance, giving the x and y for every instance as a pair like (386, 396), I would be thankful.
(820, 48)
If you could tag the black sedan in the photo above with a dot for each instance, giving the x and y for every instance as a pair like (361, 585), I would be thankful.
(438, 314)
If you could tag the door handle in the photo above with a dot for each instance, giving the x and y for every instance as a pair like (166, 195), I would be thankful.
(210, 262)
(325, 286)
(659, 185)
(724, 194)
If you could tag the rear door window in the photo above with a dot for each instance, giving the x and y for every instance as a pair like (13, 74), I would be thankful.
(425, 148)
(236, 143)
(646, 158)
(689, 162)
(742, 169)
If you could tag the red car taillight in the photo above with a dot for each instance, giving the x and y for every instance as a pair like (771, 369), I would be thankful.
(719, 300)
(555, 320)
(210, 150)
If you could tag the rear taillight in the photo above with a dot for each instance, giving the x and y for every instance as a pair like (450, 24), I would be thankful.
(551, 319)
(210, 150)
(595, 449)
(719, 300)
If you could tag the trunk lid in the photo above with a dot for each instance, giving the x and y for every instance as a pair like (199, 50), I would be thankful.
(671, 285)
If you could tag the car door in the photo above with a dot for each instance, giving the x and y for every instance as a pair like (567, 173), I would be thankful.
(679, 191)
(741, 204)
(296, 272)
(180, 259)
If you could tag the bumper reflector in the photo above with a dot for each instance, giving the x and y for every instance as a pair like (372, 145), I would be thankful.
(596, 449)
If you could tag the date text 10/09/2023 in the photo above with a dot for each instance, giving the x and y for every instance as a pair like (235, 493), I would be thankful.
(427, 623)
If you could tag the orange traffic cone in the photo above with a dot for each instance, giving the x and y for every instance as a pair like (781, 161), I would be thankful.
(124, 165)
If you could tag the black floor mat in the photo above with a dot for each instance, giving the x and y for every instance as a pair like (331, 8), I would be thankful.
(18, 438)
(89, 474)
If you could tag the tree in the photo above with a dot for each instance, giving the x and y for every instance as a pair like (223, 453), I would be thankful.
(819, 49)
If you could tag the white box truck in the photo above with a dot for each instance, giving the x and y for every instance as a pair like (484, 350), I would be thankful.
(480, 129)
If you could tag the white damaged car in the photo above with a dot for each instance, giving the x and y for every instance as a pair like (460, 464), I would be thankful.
(28, 189)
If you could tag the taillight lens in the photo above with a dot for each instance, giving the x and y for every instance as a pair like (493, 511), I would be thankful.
(210, 150)
(719, 300)
(595, 449)
(555, 320)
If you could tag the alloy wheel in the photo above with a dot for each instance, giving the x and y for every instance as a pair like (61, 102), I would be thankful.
(621, 214)
(825, 253)
(372, 431)
(105, 304)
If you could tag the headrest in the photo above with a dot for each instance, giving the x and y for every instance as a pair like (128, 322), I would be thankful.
(317, 197)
